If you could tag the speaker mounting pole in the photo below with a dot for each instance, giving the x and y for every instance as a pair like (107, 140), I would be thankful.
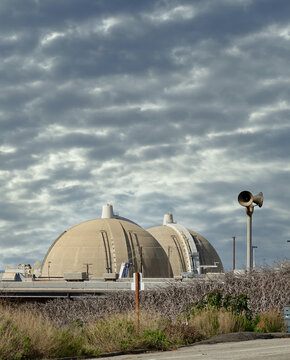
(246, 199)
(249, 212)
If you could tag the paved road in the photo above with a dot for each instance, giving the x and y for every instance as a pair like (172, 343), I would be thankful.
(270, 349)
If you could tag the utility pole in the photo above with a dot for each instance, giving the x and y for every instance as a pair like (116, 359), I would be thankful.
(254, 260)
(168, 261)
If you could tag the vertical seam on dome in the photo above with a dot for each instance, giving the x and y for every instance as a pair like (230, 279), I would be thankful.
(180, 253)
(134, 258)
(107, 250)
(129, 249)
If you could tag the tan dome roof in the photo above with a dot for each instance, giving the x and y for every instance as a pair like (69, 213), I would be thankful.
(188, 250)
(102, 245)
(207, 253)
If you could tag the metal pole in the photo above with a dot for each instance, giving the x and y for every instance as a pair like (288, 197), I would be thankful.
(249, 243)
(234, 253)
(137, 290)
(249, 211)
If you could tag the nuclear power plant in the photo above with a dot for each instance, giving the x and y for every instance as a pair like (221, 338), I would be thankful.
(105, 247)
(104, 253)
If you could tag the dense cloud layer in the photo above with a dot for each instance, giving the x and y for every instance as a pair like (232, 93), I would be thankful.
(154, 106)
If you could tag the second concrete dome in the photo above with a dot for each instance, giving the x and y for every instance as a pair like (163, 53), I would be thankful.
(189, 253)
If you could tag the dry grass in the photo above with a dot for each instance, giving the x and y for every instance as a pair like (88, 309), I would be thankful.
(28, 335)
(118, 332)
(215, 322)
(90, 326)
(271, 321)
(38, 329)
(38, 337)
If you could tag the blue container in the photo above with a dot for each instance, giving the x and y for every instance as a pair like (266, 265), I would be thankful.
(287, 318)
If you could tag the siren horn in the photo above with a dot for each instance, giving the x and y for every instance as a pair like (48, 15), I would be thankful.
(258, 199)
(246, 198)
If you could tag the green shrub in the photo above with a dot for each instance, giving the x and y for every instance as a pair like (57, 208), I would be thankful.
(216, 300)
(155, 339)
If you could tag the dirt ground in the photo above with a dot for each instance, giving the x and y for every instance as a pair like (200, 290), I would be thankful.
(242, 336)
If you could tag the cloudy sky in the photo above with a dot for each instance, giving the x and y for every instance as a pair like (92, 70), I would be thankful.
(153, 106)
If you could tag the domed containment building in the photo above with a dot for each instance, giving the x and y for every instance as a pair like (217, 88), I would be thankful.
(189, 252)
(100, 248)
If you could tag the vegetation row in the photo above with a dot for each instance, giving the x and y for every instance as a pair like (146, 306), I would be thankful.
(178, 315)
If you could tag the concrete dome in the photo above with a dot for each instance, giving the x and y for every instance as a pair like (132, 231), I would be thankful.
(188, 251)
(101, 246)
(208, 255)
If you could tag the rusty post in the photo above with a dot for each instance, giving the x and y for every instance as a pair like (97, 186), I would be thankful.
(137, 289)
(234, 253)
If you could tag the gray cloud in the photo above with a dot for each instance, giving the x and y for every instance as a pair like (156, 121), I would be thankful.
(155, 106)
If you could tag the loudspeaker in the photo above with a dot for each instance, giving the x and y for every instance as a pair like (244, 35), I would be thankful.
(246, 198)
